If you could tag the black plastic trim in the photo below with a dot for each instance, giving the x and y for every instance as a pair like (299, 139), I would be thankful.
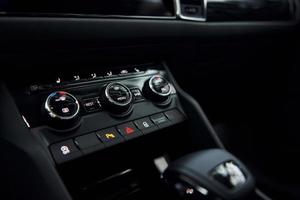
(194, 111)
(14, 29)
(24, 158)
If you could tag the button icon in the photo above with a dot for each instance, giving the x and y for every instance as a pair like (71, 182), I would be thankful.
(58, 80)
(76, 77)
(129, 130)
(61, 98)
(146, 125)
(110, 136)
(65, 150)
(109, 73)
(65, 110)
(91, 105)
(124, 72)
(93, 75)
(137, 94)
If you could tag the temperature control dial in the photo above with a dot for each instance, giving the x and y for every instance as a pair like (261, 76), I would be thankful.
(62, 110)
(158, 89)
(118, 98)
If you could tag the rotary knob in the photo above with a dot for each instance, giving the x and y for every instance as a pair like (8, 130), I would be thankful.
(158, 89)
(118, 98)
(62, 110)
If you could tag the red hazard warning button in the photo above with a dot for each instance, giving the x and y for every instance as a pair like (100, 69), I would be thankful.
(129, 130)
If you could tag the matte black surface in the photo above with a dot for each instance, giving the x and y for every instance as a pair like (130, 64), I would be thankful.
(89, 143)
(175, 116)
(62, 32)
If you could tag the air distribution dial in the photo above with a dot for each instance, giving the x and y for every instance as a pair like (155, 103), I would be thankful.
(118, 98)
(158, 89)
(62, 110)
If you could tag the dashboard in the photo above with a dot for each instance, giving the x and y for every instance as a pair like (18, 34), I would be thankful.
(201, 10)
(91, 103)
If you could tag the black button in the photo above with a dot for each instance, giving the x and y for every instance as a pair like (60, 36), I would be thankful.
(89, 143)
(129, 130)
(64, 151)
(91, 105)
(137, 94)
(145, 125)
(110, 136)
(160, 120)
(175, 116)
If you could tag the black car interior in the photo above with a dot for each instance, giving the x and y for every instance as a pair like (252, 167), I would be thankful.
(145, 99)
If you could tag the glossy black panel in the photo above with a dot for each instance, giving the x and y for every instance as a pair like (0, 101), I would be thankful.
(98, 7)
(245, 10)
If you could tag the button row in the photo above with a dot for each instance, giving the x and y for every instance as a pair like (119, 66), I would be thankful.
(85, 144)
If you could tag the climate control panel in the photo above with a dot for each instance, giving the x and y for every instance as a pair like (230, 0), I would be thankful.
(82, 117)
(62, 108)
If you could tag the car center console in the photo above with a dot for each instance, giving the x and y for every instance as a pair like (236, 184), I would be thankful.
(96, 123)
(86, 114)
(112, 132)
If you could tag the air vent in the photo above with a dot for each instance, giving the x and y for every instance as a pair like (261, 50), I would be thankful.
(249, 10)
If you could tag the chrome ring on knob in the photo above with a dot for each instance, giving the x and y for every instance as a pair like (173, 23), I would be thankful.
(158, 93)
(115, 102)
(55, 115)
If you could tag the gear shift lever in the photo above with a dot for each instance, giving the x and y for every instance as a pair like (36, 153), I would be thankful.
(210, 174)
